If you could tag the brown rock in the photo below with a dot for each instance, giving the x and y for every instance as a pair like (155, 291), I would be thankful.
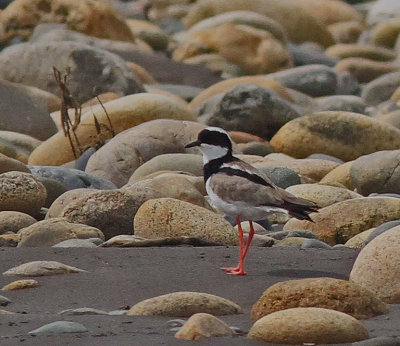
(295, 18)
(53, 231)
(377, 266)
(322, 195)
(93, 18)
(13, 221)
(8, 164)
(344, 135)
(341, 221)
(111, 211)
(185, 304)
(308, 325)
(9, 240)
(386, 33)
(365, 70)
(124, 113)
(202, 325)
(17, 145)
(346, 32)
(327, 293)
(343, 51)
(21, 284)
(255, 51)
(168, 217)
(22, 192)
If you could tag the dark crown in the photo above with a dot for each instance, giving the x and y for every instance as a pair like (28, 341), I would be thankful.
(213, 137)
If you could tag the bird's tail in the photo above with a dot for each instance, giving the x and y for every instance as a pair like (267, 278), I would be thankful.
(300, 208)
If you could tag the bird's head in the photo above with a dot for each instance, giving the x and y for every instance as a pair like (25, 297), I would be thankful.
(213, 142)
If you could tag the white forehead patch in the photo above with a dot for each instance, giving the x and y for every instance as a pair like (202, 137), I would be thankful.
(217, 129)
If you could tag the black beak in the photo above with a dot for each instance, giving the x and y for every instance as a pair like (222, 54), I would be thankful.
(193, 144)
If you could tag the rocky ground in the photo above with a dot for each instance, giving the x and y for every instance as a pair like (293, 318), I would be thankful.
(102, 207)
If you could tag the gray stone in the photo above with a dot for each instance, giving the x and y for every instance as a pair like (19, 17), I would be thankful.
(21, 112)
(380, 89)
(4, 301)
(71, 178)
(297, 233)
(314, 244)
(303, 54)
(59, 327)
(313, 80)
(76, 243)
(382, 229)
(256, 148)
(253, 109)
(91, 68)
(281, 176)
(82, 311)
(347, 103)
(188, 93)
(347, 84)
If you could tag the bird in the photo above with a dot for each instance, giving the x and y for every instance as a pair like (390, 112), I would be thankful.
(238, 189)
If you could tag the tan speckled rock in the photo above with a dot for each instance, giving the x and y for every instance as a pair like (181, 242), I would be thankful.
(341, 221)
(22, 192)
(21, 284)
(53, 231)
(42, 268)
(168, 217)
(386, 33)
(202, 325)
(111, 211)
(340, 175)
(358, 241)
(322, 195)
(327, 293)
(124, 113)
(13, 221)
(377, 266)
(344, 135)
(173, 186)
(185, 304)
(94, 18)
(308, 325)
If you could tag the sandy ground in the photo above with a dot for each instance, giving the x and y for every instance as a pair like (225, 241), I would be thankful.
(118, 278)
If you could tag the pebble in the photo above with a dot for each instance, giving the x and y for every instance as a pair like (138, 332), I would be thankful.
(42, 268)
(85, 243)
(185, 304)
(4, 301)
(59, 327)
(13, 221)
(82, 311)
(20, 285)
(314, 244)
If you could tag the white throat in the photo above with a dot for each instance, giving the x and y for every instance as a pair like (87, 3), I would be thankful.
(212, 152)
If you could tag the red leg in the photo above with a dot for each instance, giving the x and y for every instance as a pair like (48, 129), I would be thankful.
(240, 268)
(241, 246)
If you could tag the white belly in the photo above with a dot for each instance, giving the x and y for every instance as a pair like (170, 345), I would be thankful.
(246, 211)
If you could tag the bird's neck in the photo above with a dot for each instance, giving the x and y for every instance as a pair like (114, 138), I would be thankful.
(213, 166)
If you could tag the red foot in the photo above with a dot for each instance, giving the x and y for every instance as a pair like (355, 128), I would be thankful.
(237, 272)
(230, 269)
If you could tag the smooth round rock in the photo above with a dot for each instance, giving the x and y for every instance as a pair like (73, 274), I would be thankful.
(8, 164)
(380, 89)
(202, 325)
(339, 175)
(13, 221)
(344, 135)
(42, 268)
(185, 304)
(52, 231)
(341, 221)
(381, 229)
(308, 325)
(253, 109)
(322, 195)
(20, 285)
(377, 266)
(122, 155)
(342, 51)
(348, 297)
(59, 327)
(21, 192)
(359, 240)
(168, 217)
(346, 103)
(377, 172)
